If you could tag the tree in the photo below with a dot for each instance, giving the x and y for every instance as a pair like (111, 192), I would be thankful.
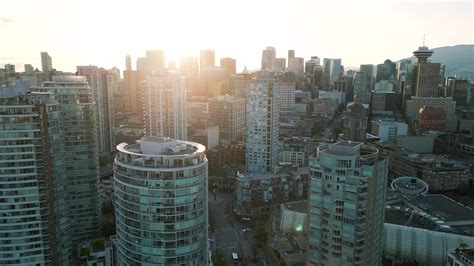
(218, 258)
(463, 246)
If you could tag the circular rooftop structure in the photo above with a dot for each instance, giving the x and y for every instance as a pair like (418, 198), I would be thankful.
(409, 185)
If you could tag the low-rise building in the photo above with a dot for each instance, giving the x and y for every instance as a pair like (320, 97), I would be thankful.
(431, 119)
(226, 154)
(259, 194)
(440, 174)
(389, 130)
(297, 150)
(461, 256)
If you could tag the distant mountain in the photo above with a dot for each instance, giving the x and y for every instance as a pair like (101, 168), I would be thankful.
(459, 60)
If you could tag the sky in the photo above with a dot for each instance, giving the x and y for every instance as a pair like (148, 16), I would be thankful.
(103, 32)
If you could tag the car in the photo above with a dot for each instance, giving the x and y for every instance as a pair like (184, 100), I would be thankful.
(211, 240)
(235, 258)
(246, 230)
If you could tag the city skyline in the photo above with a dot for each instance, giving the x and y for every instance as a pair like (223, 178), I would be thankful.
(227, 29)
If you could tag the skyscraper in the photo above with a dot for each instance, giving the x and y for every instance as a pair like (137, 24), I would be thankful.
(242, 84)
(161, 209)
(207, 60)
(279, 65)
(296, 65)
(165, 106)
(347, 203)
(311, 65)
(79, 153)
(153, 62)
(386, 71)
(291, 54)
(228, 65)
(355, 121)
(369, 70)
(262, 123)
(46, 62)
(332, 71)
(189, 68)
(286, 83)
(268, 58)
(228, 112)
(425, 75)
(362, 87)
(33, 223)
(132, 93)
(102, 96)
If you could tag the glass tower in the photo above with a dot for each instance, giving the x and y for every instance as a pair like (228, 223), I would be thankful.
(346, 205)
(33, 227)
(79, 153)
(161, 202)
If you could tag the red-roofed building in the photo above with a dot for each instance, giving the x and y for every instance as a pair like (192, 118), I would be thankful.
(431, 119)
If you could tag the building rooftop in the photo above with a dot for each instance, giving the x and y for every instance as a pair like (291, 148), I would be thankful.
(161, 146)
(434, 212)
(297, 206)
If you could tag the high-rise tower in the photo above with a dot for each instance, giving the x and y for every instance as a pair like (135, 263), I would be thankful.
(165, 106)
(347, 200)
(102, 96)
(79, 153)
(161, 203)
(33, 223)
(425, 78)
(262, 123)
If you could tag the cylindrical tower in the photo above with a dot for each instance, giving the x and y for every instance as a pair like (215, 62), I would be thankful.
(161, 202)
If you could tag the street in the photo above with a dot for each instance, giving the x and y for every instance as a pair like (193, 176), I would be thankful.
(229, 236)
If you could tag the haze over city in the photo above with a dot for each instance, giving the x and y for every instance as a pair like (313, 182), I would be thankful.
(103, 32)
(249, 133)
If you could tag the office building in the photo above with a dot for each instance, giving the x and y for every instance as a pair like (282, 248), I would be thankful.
(346, 213)
(459, 90)
(389, 130)
(310, 65)
(33, 227)
(262, 123)
(291, 54)
(153, 62)
(207, 60)
(286, 87)
(102, 97)
(332, 71)
(79, 153)
(413, 106)
(29, 70)
(386, 71)
(165, 107)
(296, 65)
(228, 112)
(46, 62)
(132, 93)
(228, 65)
(189, 68)
(369, 70)
(355, 121)
(279, 65)
(161, 203)
(242, 84)
(268, 58)
(425, 79)
(362, 87)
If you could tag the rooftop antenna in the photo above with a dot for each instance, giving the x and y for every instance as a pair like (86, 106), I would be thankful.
(424, 37)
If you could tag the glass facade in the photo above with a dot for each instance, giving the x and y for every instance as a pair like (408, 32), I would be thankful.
(79, 153)
(161, 203)
(346, 205)
(32, 220)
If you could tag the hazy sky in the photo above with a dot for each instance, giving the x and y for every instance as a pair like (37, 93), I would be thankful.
(102, 32)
